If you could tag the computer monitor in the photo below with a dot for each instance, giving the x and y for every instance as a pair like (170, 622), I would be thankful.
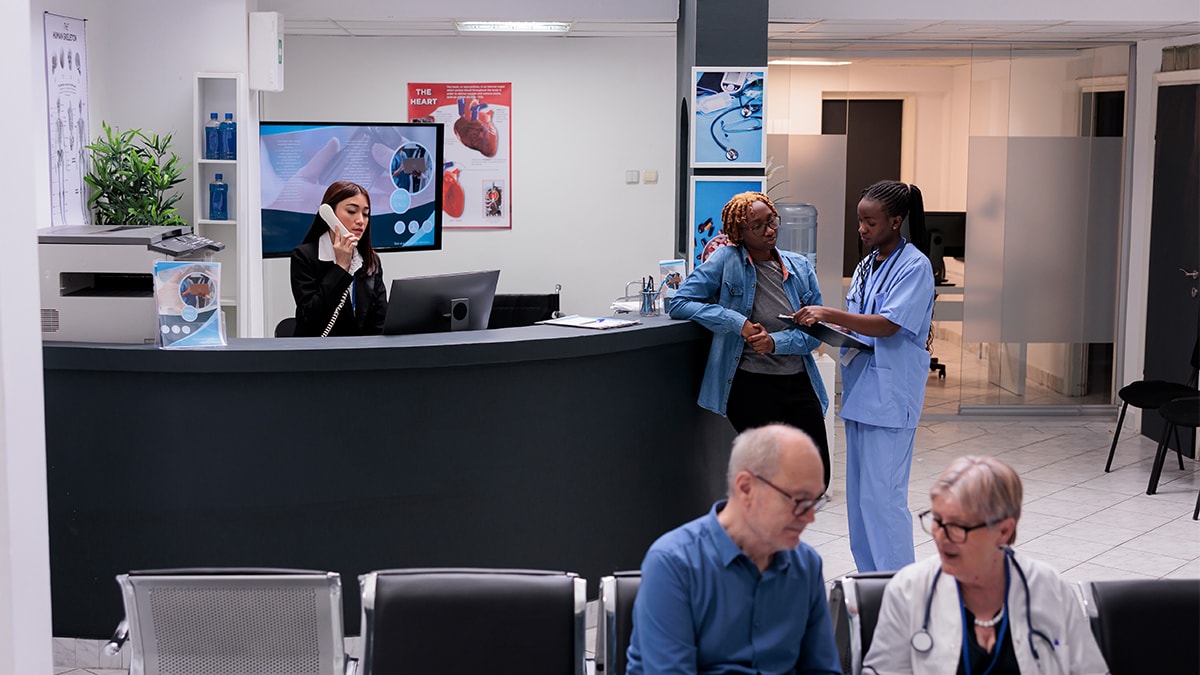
(947, 233)
(440, 303)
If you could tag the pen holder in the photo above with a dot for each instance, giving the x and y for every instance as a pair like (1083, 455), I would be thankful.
(649, 306)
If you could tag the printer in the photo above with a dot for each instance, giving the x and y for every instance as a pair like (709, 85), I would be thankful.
(97, 281)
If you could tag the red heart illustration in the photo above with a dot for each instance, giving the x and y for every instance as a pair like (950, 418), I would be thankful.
(453, 199)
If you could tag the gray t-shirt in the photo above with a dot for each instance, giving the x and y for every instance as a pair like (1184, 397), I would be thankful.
(769, 302)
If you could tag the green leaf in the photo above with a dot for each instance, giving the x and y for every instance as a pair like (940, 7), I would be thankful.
(131, 174)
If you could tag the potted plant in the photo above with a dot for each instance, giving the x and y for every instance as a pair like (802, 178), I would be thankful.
(130, 176)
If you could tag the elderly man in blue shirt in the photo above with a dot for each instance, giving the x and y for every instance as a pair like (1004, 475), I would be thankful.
(736, 591)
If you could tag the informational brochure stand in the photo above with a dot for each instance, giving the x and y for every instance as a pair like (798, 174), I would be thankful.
(187, 296)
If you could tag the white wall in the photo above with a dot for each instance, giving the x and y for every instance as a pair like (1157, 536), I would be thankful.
(25, 645)
(141, 56)
(939, 107)
(1012, 10)
(584, 111)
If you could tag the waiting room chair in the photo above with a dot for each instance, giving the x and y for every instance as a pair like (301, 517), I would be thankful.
(234, 622)
(854, 603)
(614, 620)
(286, 327)
(467, 621)
(1151, 395)
(510, 310)
(1182, 412)
(1146, 625)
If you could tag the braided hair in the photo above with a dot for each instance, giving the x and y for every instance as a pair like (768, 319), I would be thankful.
(896, 199)
(736, 214)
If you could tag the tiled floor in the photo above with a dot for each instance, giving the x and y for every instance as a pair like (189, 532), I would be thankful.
(1086, 523)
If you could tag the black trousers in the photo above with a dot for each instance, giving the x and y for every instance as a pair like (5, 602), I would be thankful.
(756, 400)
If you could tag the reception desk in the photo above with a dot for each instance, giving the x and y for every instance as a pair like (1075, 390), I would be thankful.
(542, 447)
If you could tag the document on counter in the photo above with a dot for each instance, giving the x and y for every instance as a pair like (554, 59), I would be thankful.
(597, 322)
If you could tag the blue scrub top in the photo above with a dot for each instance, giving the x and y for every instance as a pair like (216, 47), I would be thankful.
(887, 388)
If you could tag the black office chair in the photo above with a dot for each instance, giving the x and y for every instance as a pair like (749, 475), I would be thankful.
(510, 310)
(286, 327)
(233, 621)
(854, 603)
(473, 621)
(1146, 625)
(614, 622)
(1150, 395)
(1182, 412)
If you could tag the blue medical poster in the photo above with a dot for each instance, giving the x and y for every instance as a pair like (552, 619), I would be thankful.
(727, 117)
(709, 196)
(188, 296)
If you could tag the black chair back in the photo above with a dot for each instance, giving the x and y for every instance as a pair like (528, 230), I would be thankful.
(510, 310)
(614, 623)
(1146, 625)
(473, 621)
(286, 327)
(854, 603)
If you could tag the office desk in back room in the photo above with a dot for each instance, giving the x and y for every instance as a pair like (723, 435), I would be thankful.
(546, 447)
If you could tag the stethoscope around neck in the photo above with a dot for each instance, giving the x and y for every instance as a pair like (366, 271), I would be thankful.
(922, 641)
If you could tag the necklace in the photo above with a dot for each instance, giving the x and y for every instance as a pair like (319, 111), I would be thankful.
(991, 622)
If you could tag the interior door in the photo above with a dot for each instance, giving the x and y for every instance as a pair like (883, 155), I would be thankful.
(873, 141)
(1172, 305)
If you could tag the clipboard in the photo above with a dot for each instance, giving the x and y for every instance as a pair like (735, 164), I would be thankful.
(832, 336)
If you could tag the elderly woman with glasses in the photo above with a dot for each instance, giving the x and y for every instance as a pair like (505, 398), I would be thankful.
(978, 606)
(760, 366)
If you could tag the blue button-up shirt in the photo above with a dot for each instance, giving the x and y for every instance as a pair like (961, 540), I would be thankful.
(704, 608)
(719, 295)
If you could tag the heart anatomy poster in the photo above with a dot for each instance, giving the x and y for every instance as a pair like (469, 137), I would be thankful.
(477, 171)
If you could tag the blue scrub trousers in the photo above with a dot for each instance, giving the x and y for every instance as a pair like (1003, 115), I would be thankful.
(878, 463)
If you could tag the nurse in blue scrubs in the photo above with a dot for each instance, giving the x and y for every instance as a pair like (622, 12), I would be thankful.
(889, 307)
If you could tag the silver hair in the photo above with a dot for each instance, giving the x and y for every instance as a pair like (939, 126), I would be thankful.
(757, 451)
(985, 487)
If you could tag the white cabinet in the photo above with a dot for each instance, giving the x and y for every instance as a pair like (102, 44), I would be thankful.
(241, 276)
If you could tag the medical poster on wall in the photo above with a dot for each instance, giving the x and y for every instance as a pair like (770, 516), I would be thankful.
(67, 106)
(477, 171)
(727, 117)
(709, 196)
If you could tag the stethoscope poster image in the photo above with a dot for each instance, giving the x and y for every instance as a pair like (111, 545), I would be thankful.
(727, 117)
(709, 196)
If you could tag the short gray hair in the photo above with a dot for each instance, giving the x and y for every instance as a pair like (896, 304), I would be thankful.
(757, 451)
(985, 487)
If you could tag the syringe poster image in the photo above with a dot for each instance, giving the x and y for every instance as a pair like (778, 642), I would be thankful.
(187, 296)
(727, 117)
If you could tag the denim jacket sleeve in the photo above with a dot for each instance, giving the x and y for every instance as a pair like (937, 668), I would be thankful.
(802, 289)
(714, 294)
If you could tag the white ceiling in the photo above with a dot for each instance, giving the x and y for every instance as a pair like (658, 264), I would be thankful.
(614, 18)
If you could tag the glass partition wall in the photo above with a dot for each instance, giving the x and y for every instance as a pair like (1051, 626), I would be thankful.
(1018, 151)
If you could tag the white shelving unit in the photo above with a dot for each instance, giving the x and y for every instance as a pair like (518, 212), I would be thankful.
(222, 93)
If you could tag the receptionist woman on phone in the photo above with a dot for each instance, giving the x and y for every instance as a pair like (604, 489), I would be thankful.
(889, 307)
(337, 280)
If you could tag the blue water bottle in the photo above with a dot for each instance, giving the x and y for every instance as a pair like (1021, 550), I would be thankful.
(218, 199)
(228, 138)
(212, 137)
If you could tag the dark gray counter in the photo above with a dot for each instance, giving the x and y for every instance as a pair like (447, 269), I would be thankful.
(546, 447)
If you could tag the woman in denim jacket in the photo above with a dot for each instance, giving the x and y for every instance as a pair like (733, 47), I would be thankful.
(760, 367)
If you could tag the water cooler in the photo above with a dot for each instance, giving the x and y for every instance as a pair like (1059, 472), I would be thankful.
(798, 229)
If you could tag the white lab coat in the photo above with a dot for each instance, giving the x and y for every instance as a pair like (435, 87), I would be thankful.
(1055, 612)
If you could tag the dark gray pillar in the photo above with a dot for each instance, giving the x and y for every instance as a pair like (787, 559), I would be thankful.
(711, 33)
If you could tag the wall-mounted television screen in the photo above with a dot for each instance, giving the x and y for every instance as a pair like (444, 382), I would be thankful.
(400, 164)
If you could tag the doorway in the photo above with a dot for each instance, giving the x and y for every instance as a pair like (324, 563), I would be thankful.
(1172, 302)
(873, 130)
